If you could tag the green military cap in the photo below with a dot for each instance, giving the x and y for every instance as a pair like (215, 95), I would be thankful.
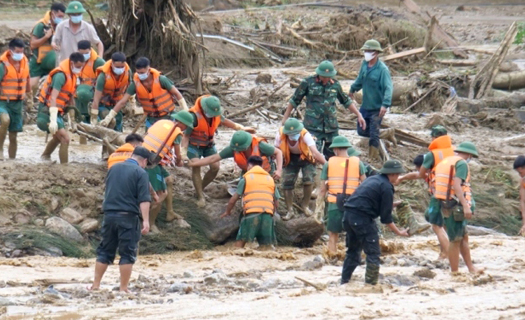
(372, 45)
(392, 166)
(340, 142)
(467, 147)
(241, 140)
(85, 93)
(211, 106)
(292, 126)
(49, 61)
(183, 117)
(438, 131)
(75, 7)
(353, 152)
(326, 69)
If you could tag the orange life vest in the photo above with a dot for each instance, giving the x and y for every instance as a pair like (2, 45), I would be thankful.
(88, 74)
(44, 49)
(66, 93)
(157, 134)
(202, 134)
(241, 158)
(159, 101)
(259, 190)
(115, 86)
(336, 176)
(14, 83)
(442, 180)
(441, 148)
(306, 154)
(122, 154)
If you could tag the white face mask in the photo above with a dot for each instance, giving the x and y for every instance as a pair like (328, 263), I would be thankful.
(119, 71)
(468, 160)
(143, 76)
(369, 56)
(76, 70)
(76, 19)
(17, 56)
(294, 137)
(87, 56)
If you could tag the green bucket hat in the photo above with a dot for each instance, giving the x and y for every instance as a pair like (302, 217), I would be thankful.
(292, 126)
(340, 142)
(372, 45)
(467, 147)
(49, 61)
(183, 117)
(438, 131)
(240, 141)
(75, 7)
(392, 166)
(352, 152)
(326, 69)
(211, 106)
(85, 93)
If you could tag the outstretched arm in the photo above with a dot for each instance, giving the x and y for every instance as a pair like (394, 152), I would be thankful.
(205, 161)
(230, 205)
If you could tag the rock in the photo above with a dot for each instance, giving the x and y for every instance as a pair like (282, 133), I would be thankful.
(311, 265)
(218, 191)
(401, 262)
(6, 302)
(71, 215)
(188, 274)
(216, 278)
(181, 223)
(300, 231)
(217, 229)
(54, 204)
(320, 259)
(10, 245)
(271, 283)
(425, 273)
(89, 225)
(23, 217)
(3, 284)
(263, 78)
(180, 287)
(63, 228)
(16, 253)
(54, 251)
(79, 193)
(39, 222)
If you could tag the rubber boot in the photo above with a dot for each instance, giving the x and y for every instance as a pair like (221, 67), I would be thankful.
(408, 219)
(13, 145)
(153, 213)
(373, 154)
(317, 181)
(307, 192)
(50, 147)
(209, 177)
(82, 140)
(4, 126)
(197, 183)
(170, 214)
(63, 153)
(371, 274)
(389, 135)
(288, 200)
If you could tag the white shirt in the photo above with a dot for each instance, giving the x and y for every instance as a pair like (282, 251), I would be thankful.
(308, 139)
(68, 41)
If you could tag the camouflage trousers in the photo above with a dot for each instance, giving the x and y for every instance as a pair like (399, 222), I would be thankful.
(291, 172)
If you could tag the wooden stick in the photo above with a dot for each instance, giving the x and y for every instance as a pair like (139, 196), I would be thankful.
(139, 124)
(404, 54)
(421, 99)
(311, 284)
(259, 104)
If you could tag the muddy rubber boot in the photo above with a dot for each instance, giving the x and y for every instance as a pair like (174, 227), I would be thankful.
(63, 153)
(209, 177)
(197, 183)
(408, 219)
(170, 214)
(288, 200)
(50, 147)
(153, 213)
(371, 274)
(317, 181)
(13, 145)
(389, 135)
(373, 154)
(307, 193)
(4, 126)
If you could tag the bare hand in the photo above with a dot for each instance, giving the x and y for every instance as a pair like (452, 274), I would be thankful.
(396, 203)
(250, 130)
(468, 213)
(225, 214)
(145, 227)
(277, 174)
(361, 121)
(382, 112)
(56, 47)
(403, 233)
(179, 163)
(49, 33)
(351, 95)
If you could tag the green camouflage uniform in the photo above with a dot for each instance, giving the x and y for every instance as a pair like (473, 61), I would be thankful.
(320, 118)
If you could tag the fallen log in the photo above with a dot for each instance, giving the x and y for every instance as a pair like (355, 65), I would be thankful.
(513, 100)
(301, 231)
(400, 135)
(509, 81)
(402, 87)
(404, 54)
(114, 137)
(459, 63)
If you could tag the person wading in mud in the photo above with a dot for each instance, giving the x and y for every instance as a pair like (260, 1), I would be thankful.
(374, 79)
(260, 200)
(519, 166)
(126, 203)
(439, 149)
(452, 189)
(373, 198)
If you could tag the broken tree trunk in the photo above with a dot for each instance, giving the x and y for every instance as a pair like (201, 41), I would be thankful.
(402, 87)
(513, 100)
(404, 54)
(301, 231)
(509, 81)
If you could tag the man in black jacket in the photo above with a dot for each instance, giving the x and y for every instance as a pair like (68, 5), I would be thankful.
(373, 198)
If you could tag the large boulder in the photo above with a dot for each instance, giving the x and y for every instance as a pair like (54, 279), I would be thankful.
(71, 215)
(89, 225)
(63, 228)
(300, 231)
(217, 229)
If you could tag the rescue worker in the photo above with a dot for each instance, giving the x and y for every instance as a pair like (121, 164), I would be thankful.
(170, 132)
(14, 84)
(43, 58)
(260, 200)
(369, 169)
(332, 183)
(84, 93)
(155, 92)
(198, 141)
(374, 79)
(299, 154)
(55, 98)
(373, 198)
(126, 205)
(519, 166)
(113, 79)
(439, 149)
(125, 151)
(452, 189)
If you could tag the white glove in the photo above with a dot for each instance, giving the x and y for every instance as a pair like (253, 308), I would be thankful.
(94, 117)
(183, 104)
(53, 124)
(108, 118)
(184, 154)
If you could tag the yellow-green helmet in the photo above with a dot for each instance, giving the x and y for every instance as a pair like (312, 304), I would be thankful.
(340, 142)
(372, 45)
(467, 147)
(84, 93)
(241, 140)
(75, 7)
(183, 117)
(292, 126)
(211, 106)
(326, 69)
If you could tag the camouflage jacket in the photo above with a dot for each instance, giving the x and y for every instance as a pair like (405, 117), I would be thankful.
(320, 115)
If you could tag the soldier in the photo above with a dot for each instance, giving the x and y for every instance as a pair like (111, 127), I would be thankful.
(299, 154)
(84, 93)
(374, 79)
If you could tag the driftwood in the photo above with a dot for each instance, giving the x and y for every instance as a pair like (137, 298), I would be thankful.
(257, 104)
(513, 100)
(402, 87)
(459, 63)
(509, 81)
(404, 54)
